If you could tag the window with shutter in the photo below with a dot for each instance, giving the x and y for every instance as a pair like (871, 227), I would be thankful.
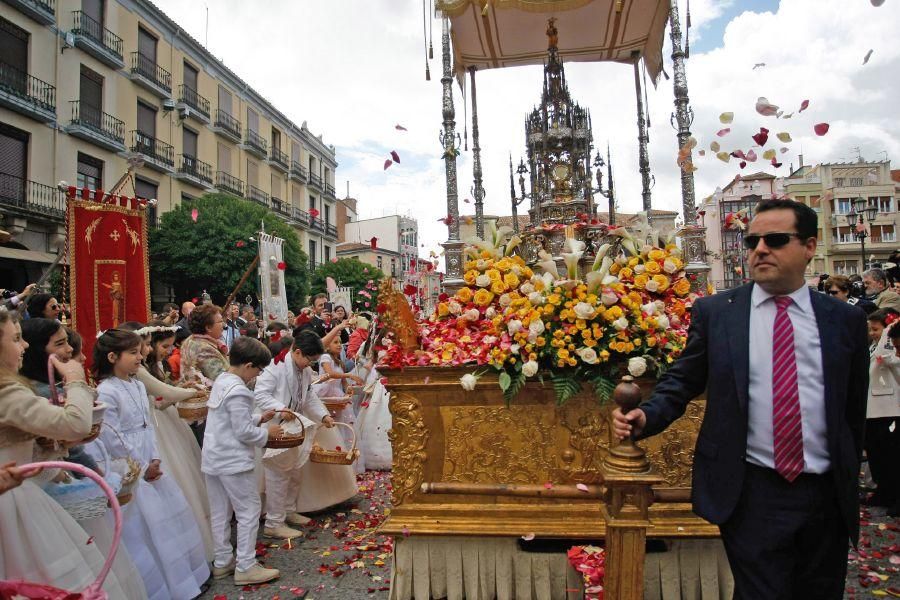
(276, 139)
(224, 158)
(94, 9)
(189, 143)
(14, 52)
(147, 46)
(295, 151)
(225, 101)
(146, 119)
(90, 172)
(252, 120)
(145, 189)
(190, 76)
(252, 173)
(276, 186)
(296, 198)
(90, 95)
(13, 162)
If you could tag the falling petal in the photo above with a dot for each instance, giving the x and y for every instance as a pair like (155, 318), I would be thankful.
(867, 56)
(743, 164)
(751, 156)
(762, 137)
(783, 149)
(779, 113)
(723, 156)
(467, 201)
(528, 537)
(765, 108)
(775, 162)
(821, 128)
(701, 152)
(400, 127)
(581, 487)
(726, 117)
(714, 146)
(395, 156)
(387, 163)
(784, 136)
(788, 116)
(194, 214)
(769, 154)
(804, 105)
(738, 154)
(723, 132)
(876, 3)
(688, 167)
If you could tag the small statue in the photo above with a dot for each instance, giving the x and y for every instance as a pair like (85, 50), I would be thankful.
(552, 34)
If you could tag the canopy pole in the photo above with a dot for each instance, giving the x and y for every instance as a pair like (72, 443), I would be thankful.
(449, 139)
(643, 140)
(478, 192)
(692, 234)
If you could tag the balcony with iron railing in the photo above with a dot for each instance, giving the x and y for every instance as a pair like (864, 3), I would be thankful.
(279, 206)
(150, 76)
(329, 190)
(301, 216)
(229, 184)
(31, 198)
(257, 195)
(98, 41)
(227, 126)
(42, 11)
(194, 171)
(26, 94)
(193, 104)
(315, 181)
(279, 160)
(316, 223)
(93, 125)
(157, 154)
(331, 230)
(255, 144)
(298, 172)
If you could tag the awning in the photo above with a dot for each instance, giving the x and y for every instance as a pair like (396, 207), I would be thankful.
(28, 255)
(513, 32)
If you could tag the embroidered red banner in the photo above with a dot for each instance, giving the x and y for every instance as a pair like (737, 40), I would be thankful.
(109, 281)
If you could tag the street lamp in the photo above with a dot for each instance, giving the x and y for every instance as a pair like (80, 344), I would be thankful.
(858, 216)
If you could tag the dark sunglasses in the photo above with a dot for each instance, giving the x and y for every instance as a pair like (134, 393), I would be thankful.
(773, 240)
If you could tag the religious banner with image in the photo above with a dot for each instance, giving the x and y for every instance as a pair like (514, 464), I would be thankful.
(109, 281)
(271, 276)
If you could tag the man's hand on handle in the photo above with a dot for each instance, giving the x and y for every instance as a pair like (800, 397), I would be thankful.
(628, 425)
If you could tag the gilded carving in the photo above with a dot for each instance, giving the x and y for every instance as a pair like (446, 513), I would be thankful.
(589, 435)
(488, 444)
(672, 451)
(408, 437)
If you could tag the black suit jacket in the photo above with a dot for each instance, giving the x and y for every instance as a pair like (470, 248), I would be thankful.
(716, 358)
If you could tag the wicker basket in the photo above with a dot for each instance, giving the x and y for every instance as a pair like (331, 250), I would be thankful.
(130, 481)
(97, 420)
(335, 403)
(320, 455)
(192, 410)
(289, 440)
(82, 499)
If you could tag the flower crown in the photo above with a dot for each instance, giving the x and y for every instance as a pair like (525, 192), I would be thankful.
(151, 329)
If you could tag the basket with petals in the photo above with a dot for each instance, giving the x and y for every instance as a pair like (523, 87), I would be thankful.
(293, 433)
(96, 415)
(81, 498)
(318, 454)
(193, 409)
(127, 468)
(335, 403)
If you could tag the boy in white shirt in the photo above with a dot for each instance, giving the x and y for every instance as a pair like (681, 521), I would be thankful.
(228, 462)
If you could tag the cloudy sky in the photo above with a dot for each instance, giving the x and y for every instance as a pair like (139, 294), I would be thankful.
(353, 69)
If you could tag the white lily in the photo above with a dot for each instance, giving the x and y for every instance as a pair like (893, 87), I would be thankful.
(601, 254)
(573, 256)
(609, 280)
(547, 263)
(512, 244)
(594, 280)
(603, 271)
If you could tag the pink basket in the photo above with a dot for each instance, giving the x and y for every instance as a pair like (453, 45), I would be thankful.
(42, 591)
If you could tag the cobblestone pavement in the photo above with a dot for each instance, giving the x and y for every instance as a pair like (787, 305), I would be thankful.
(341, 557)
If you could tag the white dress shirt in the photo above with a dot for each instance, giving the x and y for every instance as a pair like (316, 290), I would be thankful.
(810, 380)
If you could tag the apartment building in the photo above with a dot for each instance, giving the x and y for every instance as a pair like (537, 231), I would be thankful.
(831, 189)
(88, 87)
(396, 235)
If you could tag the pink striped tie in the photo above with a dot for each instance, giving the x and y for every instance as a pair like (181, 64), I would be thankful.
(786, 424)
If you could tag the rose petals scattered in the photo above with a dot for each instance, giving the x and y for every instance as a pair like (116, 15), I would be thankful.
(783, 136)
(548, 486)
(743, 164)
(723, 156)
(876, 3)
(766, 108)
(775, 163)
(240, 243)
(194, 214)
(751, 156)
(528, 537)
(581, 487)
(395, 156)
(399, 127)
(282, 266)
(821, 128)
(387, 163)
(867, 56)
(714, 146)
(762, 137)
(804, 105)
(723, 132)
(769, 154)
(726, 117)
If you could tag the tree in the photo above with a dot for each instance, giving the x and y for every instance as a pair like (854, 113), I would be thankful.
(346, 272)
(214, 252)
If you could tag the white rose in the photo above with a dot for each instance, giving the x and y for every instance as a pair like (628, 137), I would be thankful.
(621, 260)
(514, 326)
(455, 307)
(472, 314)
(526, 288)
(530, 368)
(515, 348)
(675, 321)
(645, 249)
(483, 281)
(505, 300)
(608, 298)
(587, 355)
(517, 270)
(489, 340)
(669, 266)
(491, 312)
(536, 298)
(638, 269)
(637, 366)
(651, 286)
(649, 308)
(585, 311)
(536, 328)
(620, 324)
(468, 382)
(662, 322)
(481, 264)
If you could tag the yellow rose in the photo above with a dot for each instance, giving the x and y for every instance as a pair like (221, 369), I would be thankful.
(633, 261)
(626, 273)
(657, 254)
(662, 281)
(504, 264)
(652, 267)
(483, 297)
(494, 274)
(443, 309)
(511, 280)
(470, 265)
(614, 268)
(464, 295)
(497, 287)
(640, 281)
(682, 287)
(470, 276)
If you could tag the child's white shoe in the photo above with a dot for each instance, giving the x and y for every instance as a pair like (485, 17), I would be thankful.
(223, 572)
(282, 531)
(297, 519)
(255, 575)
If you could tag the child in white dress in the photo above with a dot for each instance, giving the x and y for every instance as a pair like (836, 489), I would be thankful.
(333, 386)
(229, 459)
(159, 529)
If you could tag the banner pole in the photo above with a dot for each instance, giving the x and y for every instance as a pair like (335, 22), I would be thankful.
(241, 283)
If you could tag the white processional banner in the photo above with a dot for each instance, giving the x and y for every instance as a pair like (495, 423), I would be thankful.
(342, 297)
(271, 277)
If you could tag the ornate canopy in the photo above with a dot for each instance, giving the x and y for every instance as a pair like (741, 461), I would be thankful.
(511, 32)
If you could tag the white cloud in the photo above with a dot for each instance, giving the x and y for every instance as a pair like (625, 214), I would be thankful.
(355, 69)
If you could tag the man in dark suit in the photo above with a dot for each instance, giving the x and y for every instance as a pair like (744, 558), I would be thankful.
(786, 372)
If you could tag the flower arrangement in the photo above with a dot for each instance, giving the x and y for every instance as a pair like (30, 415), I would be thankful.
(590, 561)
(629, 312)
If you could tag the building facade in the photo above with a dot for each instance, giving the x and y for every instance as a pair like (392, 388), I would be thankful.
(88, 87)
(830, 189)
(397, 234)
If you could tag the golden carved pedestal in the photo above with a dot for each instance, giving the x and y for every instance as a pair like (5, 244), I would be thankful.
(503, 470)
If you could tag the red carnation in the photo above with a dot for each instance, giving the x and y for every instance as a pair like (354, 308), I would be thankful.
(240, 244)
(282, 266)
